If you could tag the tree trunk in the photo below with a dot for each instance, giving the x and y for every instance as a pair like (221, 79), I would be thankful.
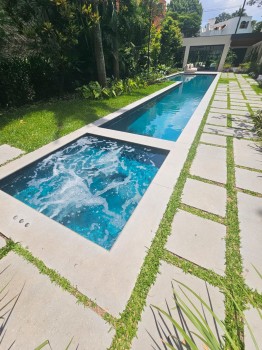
(116, 58)
(99, 53)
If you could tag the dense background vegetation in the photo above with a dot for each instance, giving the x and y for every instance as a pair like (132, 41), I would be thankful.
(52, 47)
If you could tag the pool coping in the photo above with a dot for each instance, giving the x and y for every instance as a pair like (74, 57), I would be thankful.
(107, 277)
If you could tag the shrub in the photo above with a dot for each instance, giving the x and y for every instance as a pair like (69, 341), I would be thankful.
(94, 91)
(245, 67)
(257, 119)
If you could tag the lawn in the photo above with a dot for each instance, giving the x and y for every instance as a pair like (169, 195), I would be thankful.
(257, 89)
(31, 127)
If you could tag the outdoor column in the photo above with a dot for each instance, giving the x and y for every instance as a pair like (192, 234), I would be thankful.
(186, 55)
(224, 55)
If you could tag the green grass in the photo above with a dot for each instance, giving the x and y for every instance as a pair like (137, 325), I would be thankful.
(226, 80)
(31, 127)
(257, 89)
(234, 279)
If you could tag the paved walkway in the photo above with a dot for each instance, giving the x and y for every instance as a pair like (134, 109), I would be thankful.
(200, 227)
(8, 153)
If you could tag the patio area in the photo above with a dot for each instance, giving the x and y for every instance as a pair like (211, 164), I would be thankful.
(209, 239)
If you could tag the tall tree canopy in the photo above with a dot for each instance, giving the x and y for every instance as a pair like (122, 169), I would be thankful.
(224, 16)
(188, 14)
(186, 6)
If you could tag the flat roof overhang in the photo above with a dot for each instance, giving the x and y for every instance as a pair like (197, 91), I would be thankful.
(245, 40)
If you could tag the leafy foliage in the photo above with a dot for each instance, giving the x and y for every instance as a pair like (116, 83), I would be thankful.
(171, 40)
(224, 16)
(188, 14)
(257, 119)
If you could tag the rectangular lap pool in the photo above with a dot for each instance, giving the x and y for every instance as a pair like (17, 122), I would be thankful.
(166, 116)
(91, 185)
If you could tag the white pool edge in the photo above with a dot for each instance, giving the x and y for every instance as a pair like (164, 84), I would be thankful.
(107, 277)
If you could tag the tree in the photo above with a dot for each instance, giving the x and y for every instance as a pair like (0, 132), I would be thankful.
(257, 27)
(255, 2)
(189, 24)
(188, 14)
(239, 13)
(186, 6)
(171, 41)
(224, 16)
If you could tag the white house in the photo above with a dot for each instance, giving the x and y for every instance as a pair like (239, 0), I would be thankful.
(209, 50)
(227, 27)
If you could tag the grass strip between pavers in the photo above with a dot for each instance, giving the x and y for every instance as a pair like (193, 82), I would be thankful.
(202, 213)
(189, 267)
(126, 327)
(234, 279)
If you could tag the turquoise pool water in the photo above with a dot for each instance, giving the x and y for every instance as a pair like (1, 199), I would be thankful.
(165, 117)
(91, 186)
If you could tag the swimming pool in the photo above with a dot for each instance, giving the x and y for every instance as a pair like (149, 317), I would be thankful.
(91, 186)
(165, 117)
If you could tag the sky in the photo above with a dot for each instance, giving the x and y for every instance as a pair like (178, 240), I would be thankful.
(212, 8)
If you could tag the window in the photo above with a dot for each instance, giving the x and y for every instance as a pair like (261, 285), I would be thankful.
(244, 24)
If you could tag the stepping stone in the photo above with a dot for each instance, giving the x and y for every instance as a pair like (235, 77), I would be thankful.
(210, 163)
(219, 104)
(239, 108)
(249, 180)
(242, 125)
(43, 311)
(154, 326)
(205, 196)
(220, 130)
(220, 98)
(214, 139)
(255, 104)
(8, 153)
(235, 103)
(228, 111)
(217, 119)
(237, 96)
(255, 323)
(248, 154)
(198, 240)
(250, 220)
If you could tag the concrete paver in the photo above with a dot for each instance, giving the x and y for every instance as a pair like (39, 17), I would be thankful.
(214, 139)
(250, 220)
(153, 326)
(198, 240)
(249, 180)
(219, 104)
(42, 311)
(210, 163)
(205, 196)
(8, 153)
(235, 132)
(228, 111)
(255, 322)
(248, 154)
(217, 119)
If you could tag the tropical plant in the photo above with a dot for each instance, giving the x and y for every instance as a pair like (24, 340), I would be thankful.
(257, 119)
(185, 303)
